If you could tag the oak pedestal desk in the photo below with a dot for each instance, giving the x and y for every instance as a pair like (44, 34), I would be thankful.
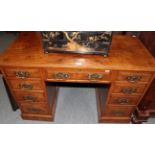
(128, 72)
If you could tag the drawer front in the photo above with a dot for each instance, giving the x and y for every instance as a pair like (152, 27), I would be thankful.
(29, 85)
(35, 109)
(133, 77)
(128, 89)
(118, 111)
(29, 96)
(69, 75)
(120, 99)
(22, 73)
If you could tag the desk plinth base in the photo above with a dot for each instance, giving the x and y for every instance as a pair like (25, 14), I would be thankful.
(114, 120)
(37, 117)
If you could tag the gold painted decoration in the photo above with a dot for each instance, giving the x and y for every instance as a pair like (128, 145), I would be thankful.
(84, 42)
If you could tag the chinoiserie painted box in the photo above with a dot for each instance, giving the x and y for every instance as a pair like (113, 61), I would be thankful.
(82, 42)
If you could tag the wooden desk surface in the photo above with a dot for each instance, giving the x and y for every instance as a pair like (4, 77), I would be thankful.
(126, 53)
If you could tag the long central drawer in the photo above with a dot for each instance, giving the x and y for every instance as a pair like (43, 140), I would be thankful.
(67, 75)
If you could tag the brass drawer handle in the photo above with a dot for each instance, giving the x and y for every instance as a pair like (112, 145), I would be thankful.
(29, 98)
(128, 90)
(123, 101)
(92, 76)
(117, 113)
(134, 78)
(25, 86)
(22, 74)
(35, 110)
(62, 75)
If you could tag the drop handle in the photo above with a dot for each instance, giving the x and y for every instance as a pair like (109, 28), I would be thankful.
(94, 76)
(133, 78)
(35, 110)
(29, 98)
(25, 86)
(62, 75)
(118, 113)
(123, 101)
(128, 90)
(22, 74)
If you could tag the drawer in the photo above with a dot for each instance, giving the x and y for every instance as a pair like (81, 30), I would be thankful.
(128, 88)
(66, 75)
(22, 84)
(22, 73)
(35, 109)
(120, 99)
(118, 111)
(30, 96)
(133, 77)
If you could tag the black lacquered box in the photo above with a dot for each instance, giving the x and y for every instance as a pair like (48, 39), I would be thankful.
(82, 42)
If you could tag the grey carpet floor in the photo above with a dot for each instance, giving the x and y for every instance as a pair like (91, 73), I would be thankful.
(74, 105)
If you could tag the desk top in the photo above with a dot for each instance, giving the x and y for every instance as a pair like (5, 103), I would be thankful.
(126, 53)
